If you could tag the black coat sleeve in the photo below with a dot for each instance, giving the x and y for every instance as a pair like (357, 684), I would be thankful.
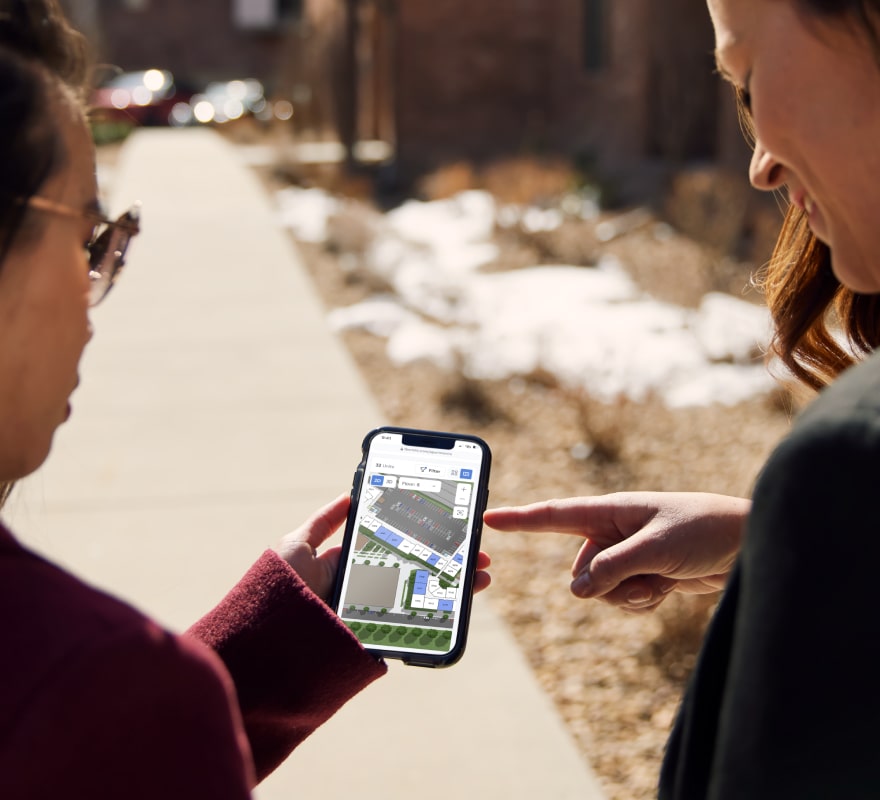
(801, 706)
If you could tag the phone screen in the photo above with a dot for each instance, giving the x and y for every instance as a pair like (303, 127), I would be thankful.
(408, 559)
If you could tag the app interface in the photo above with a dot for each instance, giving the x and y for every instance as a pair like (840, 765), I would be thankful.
(412, 536)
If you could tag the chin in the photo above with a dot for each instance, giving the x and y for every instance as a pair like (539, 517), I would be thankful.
(29, 460)
(33, 463)
(855, 274)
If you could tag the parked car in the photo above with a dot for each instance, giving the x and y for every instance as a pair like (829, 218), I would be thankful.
(225, 101)
(221, 101)
(145, 97)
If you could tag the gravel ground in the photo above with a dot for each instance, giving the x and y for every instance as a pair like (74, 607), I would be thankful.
(616, 679)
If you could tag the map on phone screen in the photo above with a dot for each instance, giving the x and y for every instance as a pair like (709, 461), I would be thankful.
(403, 585)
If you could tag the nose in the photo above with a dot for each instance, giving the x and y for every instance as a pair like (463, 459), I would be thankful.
(765, 172)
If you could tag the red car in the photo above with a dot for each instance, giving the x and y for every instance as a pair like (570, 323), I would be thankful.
(139, 98)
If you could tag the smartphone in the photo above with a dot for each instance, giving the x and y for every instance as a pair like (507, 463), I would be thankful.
(408, 559)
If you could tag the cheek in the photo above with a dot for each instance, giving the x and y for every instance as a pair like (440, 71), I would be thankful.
(43, 331)
(65, 284)
(50, 308)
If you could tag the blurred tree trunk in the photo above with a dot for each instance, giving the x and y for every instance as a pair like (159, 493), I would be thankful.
(345, 83)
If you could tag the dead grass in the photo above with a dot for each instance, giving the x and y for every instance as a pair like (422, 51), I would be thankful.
(520, 179)
(471, 399)
(604, 426)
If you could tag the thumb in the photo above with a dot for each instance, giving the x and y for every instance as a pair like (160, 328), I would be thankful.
(640, 561)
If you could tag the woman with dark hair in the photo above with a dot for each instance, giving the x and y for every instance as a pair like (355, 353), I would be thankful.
(785, 697)
(96, 700)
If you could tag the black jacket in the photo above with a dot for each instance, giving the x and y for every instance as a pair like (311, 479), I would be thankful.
(785, 699)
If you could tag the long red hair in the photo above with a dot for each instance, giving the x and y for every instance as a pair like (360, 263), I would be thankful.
(821, 327)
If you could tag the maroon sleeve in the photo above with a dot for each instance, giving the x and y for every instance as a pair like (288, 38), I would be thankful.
(141, 714)
(293, 662)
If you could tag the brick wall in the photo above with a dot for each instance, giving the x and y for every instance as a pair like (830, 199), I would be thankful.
(461, 78)
(471, 76)
(479, 78)
(195, 39)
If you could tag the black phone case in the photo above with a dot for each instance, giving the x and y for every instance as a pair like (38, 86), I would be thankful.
(416, 437)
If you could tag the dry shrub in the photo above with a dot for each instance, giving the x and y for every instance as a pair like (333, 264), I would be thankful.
(604, 426)
(574, 242)
(352, 229)
(355, 185)
(471, 399)
(333, 177)
(245, 130)
(515, 251)
(671, 268)
(338, 180)
(528, 180)
(719, 208)
(709, 204)
(524, 180)
(683, 620)
(448, 180)
(735, 277)
(350, 232)
(539, 377)
(763, 229)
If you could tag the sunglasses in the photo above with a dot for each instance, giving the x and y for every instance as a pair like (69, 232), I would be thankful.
(107, 245)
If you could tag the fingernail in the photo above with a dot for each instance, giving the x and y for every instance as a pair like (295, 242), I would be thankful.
(638, 597)
(581, 585)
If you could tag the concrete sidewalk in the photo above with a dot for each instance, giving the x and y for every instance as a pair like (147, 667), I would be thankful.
(216, 412)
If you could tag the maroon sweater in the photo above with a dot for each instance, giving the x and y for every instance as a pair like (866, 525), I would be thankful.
(97, 701)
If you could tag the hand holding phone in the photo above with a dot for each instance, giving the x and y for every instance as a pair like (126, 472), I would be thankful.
(299, 548)
(412, 538)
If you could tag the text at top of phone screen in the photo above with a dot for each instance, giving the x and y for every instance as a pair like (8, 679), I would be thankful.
(403, 588)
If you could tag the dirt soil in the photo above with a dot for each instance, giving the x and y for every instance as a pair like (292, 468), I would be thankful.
(616, 679)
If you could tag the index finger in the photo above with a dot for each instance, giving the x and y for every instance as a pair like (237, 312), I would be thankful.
(583, 516)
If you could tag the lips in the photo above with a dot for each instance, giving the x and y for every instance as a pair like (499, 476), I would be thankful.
(800, 199)
(808, 205)
(813, 214)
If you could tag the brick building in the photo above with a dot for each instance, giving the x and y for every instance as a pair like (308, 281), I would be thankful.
(620, 83)
(197, 40)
